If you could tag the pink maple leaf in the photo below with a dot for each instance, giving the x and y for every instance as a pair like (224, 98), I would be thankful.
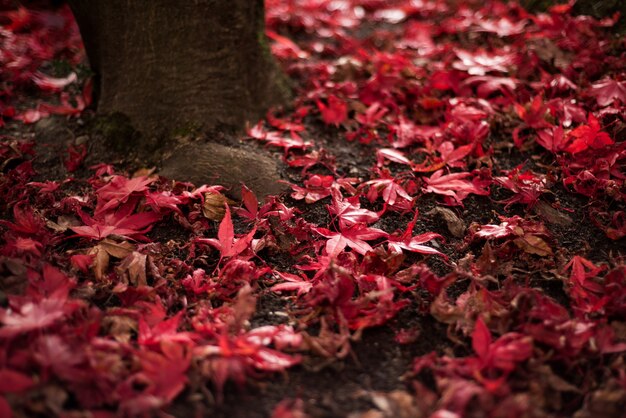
(482, 62)
(415, 244)
(455, 185)
(119, 190)
(607, 90)
(292, 282)
(165, 200)
(388, 189)
(31, 316)
(487, 85)
(354, 237)
(391, 154)
(46, 82)
(501, 27)
(165, 331)
(122, 222)
(349, 210)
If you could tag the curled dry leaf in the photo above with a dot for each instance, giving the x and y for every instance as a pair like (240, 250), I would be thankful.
(106, 249)
(455, 225)
(213, 206)
(395, 404)
(132, 269)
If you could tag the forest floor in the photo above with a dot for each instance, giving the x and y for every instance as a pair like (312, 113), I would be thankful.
(450, 242)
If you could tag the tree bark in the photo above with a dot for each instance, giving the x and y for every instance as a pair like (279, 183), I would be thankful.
(172, 65)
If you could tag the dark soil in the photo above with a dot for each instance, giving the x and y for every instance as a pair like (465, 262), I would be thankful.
(493, 279)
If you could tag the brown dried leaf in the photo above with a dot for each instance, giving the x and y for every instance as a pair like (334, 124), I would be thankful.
(532, 244)
(550, 52)
(133, 268)
(104, 251)
(550, 214)
(396, 404)
(117, 249)
(606, 402)
(213, 206)
(147, 172)
(63, 223)
(489, 263)
(100, 261)
(456, 226)
(121, 328)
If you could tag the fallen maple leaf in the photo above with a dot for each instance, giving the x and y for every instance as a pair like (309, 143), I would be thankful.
(354, 237)
(119, 190)
(226, 243)
(292, 282)
(31, 316)
(607, 90)
(122, 222)
(588, 136)
(455, 185)
(46, 82)
(335, 112)
(481, 62)
(349, 211)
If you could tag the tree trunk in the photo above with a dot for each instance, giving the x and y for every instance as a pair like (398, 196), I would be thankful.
(172, 65)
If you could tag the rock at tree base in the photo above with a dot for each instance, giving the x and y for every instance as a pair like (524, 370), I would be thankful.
(210, 163)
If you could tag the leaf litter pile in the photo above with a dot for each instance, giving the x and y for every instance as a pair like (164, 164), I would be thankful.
(451, 243)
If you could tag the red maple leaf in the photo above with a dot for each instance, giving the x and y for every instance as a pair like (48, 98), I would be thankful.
(526, 186)
(76, 155)
(316, 187)
(553, 139)
(226, 243)
(498, 357)
(12, 381)
(584, 285)
(533, 114)
(335, 112)
(588, 136)
(25, 221)
(161, 378)
(235, 357)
